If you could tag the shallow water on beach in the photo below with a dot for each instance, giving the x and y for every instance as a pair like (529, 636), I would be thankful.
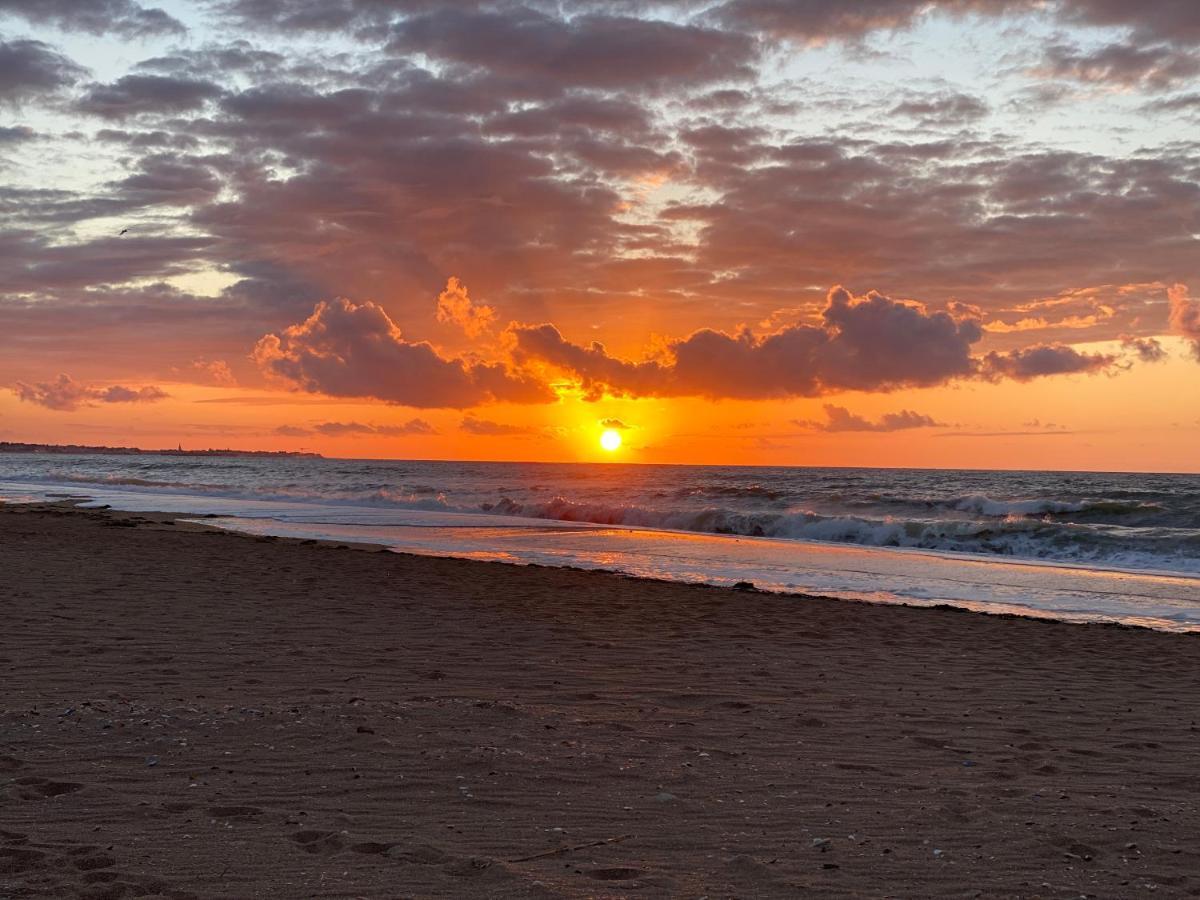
(1078, 546)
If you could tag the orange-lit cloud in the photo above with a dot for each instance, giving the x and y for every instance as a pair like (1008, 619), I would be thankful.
(1185, 315)
(66, 394)
(455, 307)
(347, 349)
(841, 419)
(863, 343)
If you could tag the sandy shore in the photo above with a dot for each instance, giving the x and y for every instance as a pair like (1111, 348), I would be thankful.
(188, 713)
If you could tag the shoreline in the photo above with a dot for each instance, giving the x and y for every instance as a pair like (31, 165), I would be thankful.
(197, 713)
(276, 530)
(1065, 590)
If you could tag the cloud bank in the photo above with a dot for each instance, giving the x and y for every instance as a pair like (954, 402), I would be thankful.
(347, 349)
(65, 394)
(841, 419)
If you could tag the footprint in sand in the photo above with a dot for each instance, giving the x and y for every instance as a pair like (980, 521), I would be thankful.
(615, 873)
(319, 841)
(10, 763)
(420, 854)
(95, 861)
(14, 860)
(234, 812)
(34, 788)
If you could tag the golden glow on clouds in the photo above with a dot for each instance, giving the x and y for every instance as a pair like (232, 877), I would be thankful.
(1133, 421)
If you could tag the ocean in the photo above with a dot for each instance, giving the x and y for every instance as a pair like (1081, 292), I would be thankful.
(1074, 545)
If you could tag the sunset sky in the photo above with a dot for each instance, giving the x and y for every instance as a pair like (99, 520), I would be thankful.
(948, 233)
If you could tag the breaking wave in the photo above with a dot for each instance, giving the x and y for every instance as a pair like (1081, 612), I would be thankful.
(1022, 529)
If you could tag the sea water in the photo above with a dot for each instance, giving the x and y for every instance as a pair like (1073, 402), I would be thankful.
(1073, 545)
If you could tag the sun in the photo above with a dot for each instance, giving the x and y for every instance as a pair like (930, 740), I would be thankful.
(610, 440)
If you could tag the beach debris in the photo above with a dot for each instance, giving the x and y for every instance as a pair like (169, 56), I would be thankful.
(665, 797)
(823, 844)
(152, 761)
(561, 850)
(745, 586)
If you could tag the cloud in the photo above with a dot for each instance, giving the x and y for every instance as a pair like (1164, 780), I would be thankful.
(345, 429)
(66, 394)
(1041, 360)
(1148, 350)
(1185, 315)
(123, 17)
(816, 21)
(454, 307)
(1154, 68)
(868, 342)
(472, 425)
(615, 424)
(139, 94)
(594, 51)
(347, 349)
(841, 419)
(31, 68)
(16, 134)
(213, 371)
(954, 109)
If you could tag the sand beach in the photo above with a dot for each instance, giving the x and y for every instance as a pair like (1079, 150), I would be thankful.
(193, 713)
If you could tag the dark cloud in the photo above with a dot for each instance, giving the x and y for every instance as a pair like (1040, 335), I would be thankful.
(133, 95)
(970, 220)
(588, 50)
(346, 349)
(16, 134)
(148, 140)
(862, 343)
(123, 17)
(820, 20)
(169, 179)
(1041, 360)
(814, 21)
(1185, 315)
(948, 109)
(841, 419)
(321, 15)
(216, 60)
(1147, 350)
(615, 424)
(472, 425)
(808, 21)
(30, 68)
(1172, 21)
(35, 263)
(1185, 103)
(139, 330)
(1153, 68)
(65, 394)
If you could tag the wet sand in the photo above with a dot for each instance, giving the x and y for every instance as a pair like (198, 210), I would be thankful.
(190, 713)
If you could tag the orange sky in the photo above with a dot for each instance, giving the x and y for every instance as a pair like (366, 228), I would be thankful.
(908, 238)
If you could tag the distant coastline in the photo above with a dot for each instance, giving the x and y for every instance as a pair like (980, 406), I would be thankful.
(67, 449)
